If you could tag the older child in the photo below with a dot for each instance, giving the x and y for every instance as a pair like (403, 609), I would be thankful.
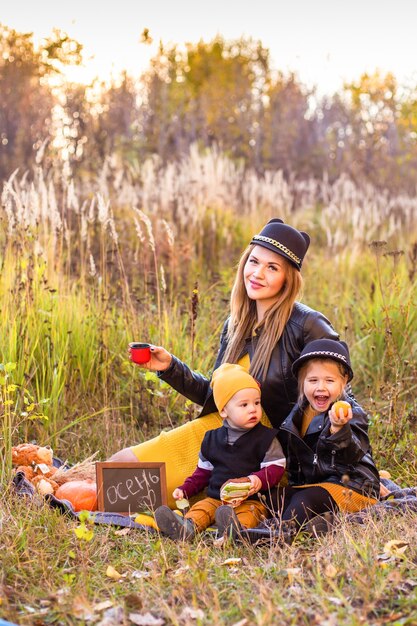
(243, 447)
(329, 459)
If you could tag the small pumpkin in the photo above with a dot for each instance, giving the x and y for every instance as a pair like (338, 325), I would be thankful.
(82, 494)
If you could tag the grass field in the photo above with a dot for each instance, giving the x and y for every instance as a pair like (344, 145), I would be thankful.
(86, 268)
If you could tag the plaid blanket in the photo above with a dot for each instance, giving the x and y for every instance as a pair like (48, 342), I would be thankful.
(24, 487)
(397, 501)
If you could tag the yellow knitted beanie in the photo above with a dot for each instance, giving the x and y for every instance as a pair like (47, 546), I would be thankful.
(228, 379)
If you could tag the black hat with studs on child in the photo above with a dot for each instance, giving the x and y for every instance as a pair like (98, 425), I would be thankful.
(325, 349)
(285, 240)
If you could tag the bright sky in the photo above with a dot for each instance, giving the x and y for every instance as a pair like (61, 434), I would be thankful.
(324, 41)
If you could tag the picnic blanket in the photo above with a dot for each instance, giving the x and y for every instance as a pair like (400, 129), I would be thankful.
(397, 501)
(24, 487)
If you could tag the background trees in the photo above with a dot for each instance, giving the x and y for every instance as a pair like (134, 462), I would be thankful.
(221, 93)
(26, 97)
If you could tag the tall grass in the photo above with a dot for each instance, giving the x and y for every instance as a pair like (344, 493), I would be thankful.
(150, 253)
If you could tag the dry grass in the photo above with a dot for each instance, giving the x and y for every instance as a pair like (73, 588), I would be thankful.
(79, 471)
(343, 578)
(149, 254)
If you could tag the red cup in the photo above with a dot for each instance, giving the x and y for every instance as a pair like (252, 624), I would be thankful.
(140, 352)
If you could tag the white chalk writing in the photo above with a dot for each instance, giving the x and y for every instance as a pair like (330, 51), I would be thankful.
(137, 485)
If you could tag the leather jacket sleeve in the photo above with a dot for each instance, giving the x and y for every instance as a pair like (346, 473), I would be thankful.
(351, 442)
(191, 384)
(279, 389)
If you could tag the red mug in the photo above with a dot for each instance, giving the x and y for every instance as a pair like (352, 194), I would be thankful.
(140, 352)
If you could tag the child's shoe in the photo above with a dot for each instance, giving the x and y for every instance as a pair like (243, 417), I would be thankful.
(174, 526)
(227, 522)
(319, 524)
(272, 532)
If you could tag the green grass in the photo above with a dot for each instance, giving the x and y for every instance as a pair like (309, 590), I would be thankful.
(51, 577)
(65, 327)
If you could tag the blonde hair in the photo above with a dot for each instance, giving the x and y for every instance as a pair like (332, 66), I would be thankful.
(244, 321)
(302, 373)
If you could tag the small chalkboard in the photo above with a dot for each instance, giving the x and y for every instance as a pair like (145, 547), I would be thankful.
(130, 487)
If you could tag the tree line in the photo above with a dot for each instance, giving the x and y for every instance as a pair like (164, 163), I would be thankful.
(218, 93)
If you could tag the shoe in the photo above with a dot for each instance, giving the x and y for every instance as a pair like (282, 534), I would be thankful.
(227, 523)
(174, 526)
(319, 524)
(271, 535)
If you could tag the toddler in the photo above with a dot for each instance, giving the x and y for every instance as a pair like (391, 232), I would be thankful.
(241, 447)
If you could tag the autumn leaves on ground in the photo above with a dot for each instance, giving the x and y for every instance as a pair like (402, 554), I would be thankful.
(105, 240)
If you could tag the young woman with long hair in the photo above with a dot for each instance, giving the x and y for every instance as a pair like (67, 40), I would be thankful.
(265, 332)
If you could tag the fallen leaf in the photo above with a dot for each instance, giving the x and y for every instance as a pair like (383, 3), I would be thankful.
(84, 533)
(232, 561)
(113, 617)
(181, 570)
(395, 547)
(113, 573)
(395, 577)
(133, 601)
(146, 620)
(100, 606)
(292, 573)
(190, 613)
(384, 474)
(43, 603)
(122, 532)
(146, 520)
(82, 609)
(330, 571)
(140, 574)
(219, 541)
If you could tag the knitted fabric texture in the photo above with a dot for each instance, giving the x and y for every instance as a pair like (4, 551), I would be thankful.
(227, 380)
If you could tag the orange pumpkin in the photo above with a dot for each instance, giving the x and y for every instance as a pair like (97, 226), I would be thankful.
(341, 404)
(81, 493)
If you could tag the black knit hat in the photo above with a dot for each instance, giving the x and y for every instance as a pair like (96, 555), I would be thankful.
(325, 349)
(287, 241)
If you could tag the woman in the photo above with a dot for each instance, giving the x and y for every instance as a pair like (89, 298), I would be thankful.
(266, 332)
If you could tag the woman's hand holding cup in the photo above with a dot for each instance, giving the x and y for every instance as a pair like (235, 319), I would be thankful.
(151, 357)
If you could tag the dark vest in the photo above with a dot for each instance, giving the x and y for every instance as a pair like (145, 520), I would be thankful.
(237, 460)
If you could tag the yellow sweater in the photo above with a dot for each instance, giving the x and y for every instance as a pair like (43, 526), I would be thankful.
(178, 448)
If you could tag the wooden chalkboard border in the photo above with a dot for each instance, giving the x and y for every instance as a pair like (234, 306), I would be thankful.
(101, 468)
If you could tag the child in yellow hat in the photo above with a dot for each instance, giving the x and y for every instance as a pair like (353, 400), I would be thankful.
(241, 447)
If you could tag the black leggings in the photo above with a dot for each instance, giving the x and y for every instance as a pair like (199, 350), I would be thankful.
(301, 505)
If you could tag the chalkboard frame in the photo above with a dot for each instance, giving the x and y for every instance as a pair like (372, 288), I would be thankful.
(102, 467)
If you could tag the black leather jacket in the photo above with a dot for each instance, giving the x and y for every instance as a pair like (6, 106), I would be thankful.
(343, 458)
(279, 388)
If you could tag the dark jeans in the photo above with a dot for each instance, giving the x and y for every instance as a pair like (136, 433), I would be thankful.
(301, 505)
